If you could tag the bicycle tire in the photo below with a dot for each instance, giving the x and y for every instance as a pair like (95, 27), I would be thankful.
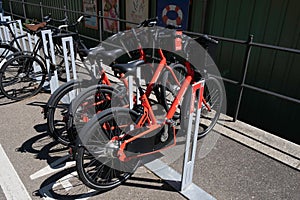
(56, 121)
(100, 170)
(7, 50)
(88, 103)
(21, 70)
(213, 94)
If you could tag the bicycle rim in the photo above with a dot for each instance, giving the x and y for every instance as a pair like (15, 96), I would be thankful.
(97, 163)
(22, 77)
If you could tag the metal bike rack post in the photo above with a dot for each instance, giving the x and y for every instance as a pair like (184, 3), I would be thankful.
(131, 93)
(130, 88)
(2, 30)
(183, 183)
(3, 34)
(6, 31)
(47, 40)
(67, 43)
(19, 31)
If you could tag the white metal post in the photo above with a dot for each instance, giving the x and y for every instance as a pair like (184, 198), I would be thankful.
(49, 48)
(183, 183)
(67, 43)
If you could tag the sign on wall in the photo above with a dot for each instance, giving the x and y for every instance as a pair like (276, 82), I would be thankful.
(136, 11)
(111, 9)
(90, 8)
(173, 12)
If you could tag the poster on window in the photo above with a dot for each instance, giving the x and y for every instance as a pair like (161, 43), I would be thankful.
(173, 12)
(90, 8)
(136, 11)
(110, 9)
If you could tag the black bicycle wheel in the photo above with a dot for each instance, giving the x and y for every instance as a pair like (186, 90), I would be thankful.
(57, 109)
(97, 161)
(170, 88)
(6, 51)
(22, 77)
(88, 103)
(213, 95)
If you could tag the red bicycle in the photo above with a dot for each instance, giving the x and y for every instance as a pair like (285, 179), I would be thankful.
(112, 143)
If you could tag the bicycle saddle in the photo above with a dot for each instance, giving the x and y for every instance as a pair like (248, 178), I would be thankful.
(95, 51)
(110, 55)
(35, 27)
(129, 67)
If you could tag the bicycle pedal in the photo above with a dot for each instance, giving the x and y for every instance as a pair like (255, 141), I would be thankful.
(172, 122)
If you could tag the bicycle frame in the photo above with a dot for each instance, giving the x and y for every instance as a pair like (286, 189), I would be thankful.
(148, 115)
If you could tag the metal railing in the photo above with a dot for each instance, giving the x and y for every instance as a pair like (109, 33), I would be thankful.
(248, 43)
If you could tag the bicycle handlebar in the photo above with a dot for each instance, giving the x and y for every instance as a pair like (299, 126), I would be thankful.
(148, 22)
(209, 39)
(48, 19)
(74, 24)
(172, 26)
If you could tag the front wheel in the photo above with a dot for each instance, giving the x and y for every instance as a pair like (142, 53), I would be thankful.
(210, 113)
(22, 77)
(97, 161)
(170, 86)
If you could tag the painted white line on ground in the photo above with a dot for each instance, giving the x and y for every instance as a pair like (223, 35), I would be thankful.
(10, 182)
(50, 168)
(64, 181)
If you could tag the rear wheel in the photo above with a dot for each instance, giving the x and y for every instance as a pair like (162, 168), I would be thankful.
(90, 102)
(57, 110)
(22, 77)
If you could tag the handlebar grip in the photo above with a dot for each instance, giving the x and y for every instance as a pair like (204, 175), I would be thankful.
(63, 26)
(80, 18)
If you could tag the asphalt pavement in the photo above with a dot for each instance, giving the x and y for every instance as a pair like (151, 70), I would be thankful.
(226, 167)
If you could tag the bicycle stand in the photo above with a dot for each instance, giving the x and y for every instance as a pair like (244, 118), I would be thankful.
(182, 183)
(47, 37)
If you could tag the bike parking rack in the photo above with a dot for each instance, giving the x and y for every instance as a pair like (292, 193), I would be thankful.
(67, 43)
(18, 31)
(182, 183)
(47, 39)
(4, 30)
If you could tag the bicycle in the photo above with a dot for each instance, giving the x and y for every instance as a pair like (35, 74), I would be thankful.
(114, 140)
(24, 75)
(57, 112)
(13, 46)
(110, 131)
(84, 106)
